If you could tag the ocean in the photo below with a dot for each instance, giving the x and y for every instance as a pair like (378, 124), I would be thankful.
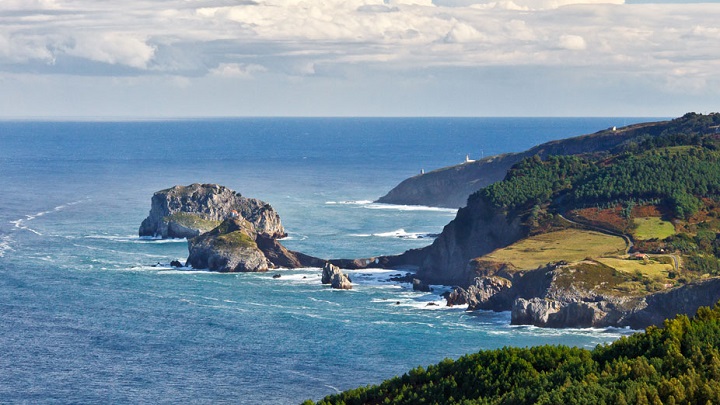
(91, 313)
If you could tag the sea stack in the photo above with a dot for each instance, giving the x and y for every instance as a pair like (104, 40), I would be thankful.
(188, 211)
(334, 276)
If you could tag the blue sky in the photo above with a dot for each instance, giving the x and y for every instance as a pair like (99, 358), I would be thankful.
(180, 58)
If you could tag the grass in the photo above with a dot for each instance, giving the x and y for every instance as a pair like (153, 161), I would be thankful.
(651, 268)
(192, 221)
(653, 228)
(570, 245)
(615, 276)
(236, 239)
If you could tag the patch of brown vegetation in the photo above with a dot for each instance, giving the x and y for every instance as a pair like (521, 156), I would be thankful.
(643, 211)
(546, 222)
(708, 215)
(650, 246)
(484, 267)
(610, 218)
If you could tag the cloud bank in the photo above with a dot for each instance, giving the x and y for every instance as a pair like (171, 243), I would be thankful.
(343, 40)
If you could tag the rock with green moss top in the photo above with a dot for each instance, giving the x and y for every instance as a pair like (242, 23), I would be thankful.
(188, 211)
(230, 247)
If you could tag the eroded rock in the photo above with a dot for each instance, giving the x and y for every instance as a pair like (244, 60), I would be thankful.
(332, 275)
(188, 211)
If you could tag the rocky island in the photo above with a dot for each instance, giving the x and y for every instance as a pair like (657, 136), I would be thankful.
(188, 211)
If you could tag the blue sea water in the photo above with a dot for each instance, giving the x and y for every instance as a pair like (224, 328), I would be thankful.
(87, 315)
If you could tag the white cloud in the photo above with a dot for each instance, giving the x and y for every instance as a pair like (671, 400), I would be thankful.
(462, 32)
(535, 5)
(311, 39)
(237, 70)
(572, 42)
(113, 48)
(16, 5)
(21, 48)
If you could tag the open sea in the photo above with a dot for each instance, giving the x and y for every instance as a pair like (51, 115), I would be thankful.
(90, 313)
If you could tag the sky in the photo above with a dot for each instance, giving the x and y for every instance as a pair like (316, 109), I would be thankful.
(227, 58)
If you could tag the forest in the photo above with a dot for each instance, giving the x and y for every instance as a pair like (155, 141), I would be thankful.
(676, 364)
(677, 165)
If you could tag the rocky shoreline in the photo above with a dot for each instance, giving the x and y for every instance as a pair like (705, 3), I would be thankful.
(535, 297)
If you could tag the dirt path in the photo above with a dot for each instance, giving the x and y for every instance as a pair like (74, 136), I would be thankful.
(628, 241)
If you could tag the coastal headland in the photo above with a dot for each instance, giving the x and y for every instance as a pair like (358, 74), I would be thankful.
(616, 228)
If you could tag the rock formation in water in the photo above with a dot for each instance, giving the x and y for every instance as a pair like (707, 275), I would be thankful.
(539, 297)
(236, 246)
(231, 247)
(332, 275)
(188, 211)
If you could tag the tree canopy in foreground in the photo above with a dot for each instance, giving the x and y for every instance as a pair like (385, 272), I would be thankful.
(676, 364)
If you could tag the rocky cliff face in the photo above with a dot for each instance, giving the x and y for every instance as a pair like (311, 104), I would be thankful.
(451, 186)
(236, 246)
(538, 298)
(332, 275)
(477, 229)
(231, 247)
(187, 211)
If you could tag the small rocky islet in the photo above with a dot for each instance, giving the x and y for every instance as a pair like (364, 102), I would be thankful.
(228, 232)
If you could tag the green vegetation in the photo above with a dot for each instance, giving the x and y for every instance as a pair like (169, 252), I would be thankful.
(677, 364)
(676, 176)
(653, 228)
(236, 239)
(193, 221)
(533, 181)
(570, 245)
(675, 163)
(670, 169)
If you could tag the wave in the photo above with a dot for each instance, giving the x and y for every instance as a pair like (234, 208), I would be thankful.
(135, 239)
(402, 234)
(20, 223)
(19, 226)
(294, 236)
(559, 332)
(358, 202)
(396, 207)
(5, 245)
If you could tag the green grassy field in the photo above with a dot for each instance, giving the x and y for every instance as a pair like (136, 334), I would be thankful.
(650, 268)
(570, 245)
(652, 228)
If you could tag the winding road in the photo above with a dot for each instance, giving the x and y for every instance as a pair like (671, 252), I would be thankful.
(628, 240)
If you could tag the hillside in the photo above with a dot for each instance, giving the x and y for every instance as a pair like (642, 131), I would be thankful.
(679, 363)
(450, 186)
(525, 243)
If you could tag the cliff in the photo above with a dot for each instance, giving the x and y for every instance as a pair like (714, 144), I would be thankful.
(450, 186)
(187, 211)
(477, 229)
(236, 246)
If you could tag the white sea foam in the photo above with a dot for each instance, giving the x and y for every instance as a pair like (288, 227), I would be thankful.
(20, 223)
(373, 277)
(359, 202)
(135, 239)
(403, 234)
(5, 245)
(394, 207)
